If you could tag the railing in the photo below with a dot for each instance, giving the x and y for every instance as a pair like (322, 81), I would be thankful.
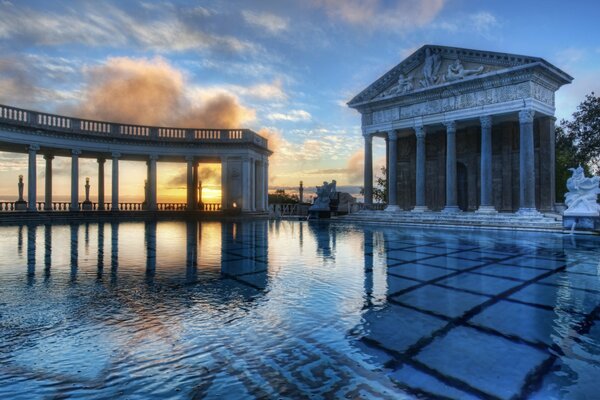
(125, 206)
(356, 207)
(283, 210)
(59, 123)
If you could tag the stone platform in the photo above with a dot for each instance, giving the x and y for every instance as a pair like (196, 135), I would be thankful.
(551, 223)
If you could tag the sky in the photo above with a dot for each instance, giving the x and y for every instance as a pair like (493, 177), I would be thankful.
(283, 68)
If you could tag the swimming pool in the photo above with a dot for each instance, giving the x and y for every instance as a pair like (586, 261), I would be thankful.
(296, 310)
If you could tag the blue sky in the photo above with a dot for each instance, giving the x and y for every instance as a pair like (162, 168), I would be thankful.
(285, 68)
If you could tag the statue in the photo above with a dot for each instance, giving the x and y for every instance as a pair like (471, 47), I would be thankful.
(20, 204)
(431, 68)
(403, 85)
(87, 204)
(325, 194)
(582, 198)
(456, 71)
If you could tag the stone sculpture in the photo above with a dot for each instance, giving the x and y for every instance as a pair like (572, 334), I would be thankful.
(456, 71)
(325, 194)
(582, 198)
(433, 61)
(87, 204)
(20, 204)
(404, 85)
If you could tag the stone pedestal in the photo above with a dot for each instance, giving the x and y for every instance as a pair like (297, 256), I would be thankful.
(319, 214)
(20, 205)
(581, 222)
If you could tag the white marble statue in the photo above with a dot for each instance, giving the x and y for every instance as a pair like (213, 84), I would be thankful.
(456, 71)
(325, 194)
(582, 198)
(433, 61)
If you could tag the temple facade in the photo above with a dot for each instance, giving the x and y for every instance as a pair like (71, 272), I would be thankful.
(465, 130)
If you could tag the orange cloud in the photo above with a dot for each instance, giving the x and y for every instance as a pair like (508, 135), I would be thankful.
(153, 92)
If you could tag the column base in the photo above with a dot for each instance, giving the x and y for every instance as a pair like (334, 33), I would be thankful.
(420, 209)
(47, 207)
(528, 212)
(451, 209)
(392, 208)
(486, 210)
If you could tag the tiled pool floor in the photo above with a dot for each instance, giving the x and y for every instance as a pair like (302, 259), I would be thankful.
(297, 310)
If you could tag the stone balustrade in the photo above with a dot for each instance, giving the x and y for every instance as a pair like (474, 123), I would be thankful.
(123, 206)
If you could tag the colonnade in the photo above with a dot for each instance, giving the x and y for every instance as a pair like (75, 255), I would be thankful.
(526, 164)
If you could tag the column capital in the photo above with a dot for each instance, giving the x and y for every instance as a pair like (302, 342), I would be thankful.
(153, 157)
(526, 116)
(419, 131)
(33, 147)
(190, 158)
(368, 137)
(485, 121)
(392, 135)
(450, 127)
(76, 152)
(101, 160)
(115, 154)
(48, 157)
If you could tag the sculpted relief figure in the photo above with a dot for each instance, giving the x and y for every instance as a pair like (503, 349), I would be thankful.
(456, 71)
(582, 198)
(403, 85)
(431, 68)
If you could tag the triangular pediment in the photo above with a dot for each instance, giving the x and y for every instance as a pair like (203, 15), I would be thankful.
(433, 66)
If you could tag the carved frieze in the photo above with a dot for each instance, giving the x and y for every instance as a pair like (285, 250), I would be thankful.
(386, 115)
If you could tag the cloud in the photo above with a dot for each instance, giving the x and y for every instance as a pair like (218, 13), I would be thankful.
(272, 23)
(380, 14)
(159, 29)
(153, 92)
(209, 174)
(482, 23)
(292, 116)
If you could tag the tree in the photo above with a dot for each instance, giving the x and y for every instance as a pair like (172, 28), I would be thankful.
(578, 143)
(583, 131)
(281, 197)
(380, 188)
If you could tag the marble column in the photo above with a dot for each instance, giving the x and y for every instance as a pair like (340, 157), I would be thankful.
(246, 185)
(451, 198)
(420, 170)
(260, 206)
(392, 174)
(252, 184)
(101, 162)
(547, 158)
(32, 178)
(190, 182)
(224, 189)
(368, 176)
(526, 164)
(115, 182)
(195, 178)
(75, 180)
(265, 191)
(48, 185)
(485, 199)
(152, 173)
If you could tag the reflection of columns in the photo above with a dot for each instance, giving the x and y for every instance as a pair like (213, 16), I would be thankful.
(526, 164)
(485, 204)
(31, 235)
(101, 183)
(190, 182)
(224, 191)
(150, 233)
(114, 248)
(115, 182)
(74, 250)
(48, 185)
(32, 176)
(47, 249)
(420, 167)
(191, 250)
(75, 180)
(100, 249)
(392, 172)
(152, 204)
(368, 174)
(451, 203)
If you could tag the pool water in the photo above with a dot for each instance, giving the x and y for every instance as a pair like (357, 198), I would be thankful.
(296, 310)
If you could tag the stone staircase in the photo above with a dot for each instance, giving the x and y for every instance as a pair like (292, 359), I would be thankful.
(549, 222)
